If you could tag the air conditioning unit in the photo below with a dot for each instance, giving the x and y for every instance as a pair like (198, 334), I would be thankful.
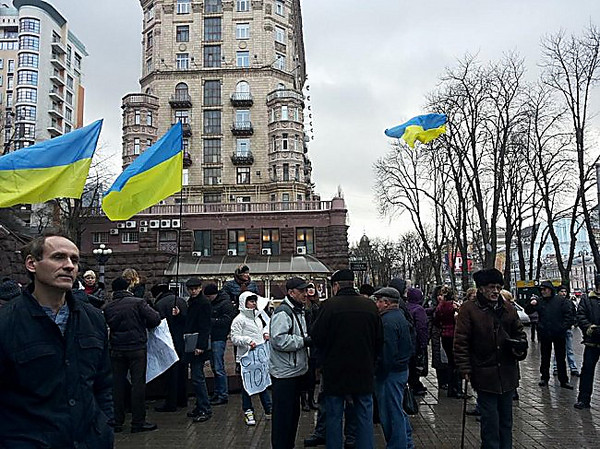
(121, 225)
(197, 253)
(154, 224)
(130, 224)
(266, 251)
(143, 222)
(232, 252)
(114, 231)
(176, 223)
(219, 181)
(301, 249)
(165, 223)
(143, 228)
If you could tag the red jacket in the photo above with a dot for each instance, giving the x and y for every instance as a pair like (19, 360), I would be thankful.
(444, 318)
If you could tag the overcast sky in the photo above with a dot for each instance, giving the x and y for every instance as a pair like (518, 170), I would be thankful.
(370, 64)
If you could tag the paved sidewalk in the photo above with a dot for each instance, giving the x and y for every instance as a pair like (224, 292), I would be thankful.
(544, 418)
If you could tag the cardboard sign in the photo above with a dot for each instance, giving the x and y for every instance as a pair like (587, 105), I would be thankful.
(255, 369)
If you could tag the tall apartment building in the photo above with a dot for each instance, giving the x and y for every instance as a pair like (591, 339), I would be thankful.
(41, 69)
(232, 72)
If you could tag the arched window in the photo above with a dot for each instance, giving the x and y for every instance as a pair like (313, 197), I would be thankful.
(181, 90)
(242, 87)
(280, 86)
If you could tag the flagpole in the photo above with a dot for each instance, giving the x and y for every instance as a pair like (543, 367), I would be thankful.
(179, 237)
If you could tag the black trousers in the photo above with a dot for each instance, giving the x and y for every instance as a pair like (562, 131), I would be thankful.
(586, 382)
(286, 411)
(176, 385)
(560, 351)
(133, 362)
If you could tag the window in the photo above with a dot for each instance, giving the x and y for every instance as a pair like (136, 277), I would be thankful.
(29, 77)
(26, 112)
(284, 141)
(237, 241)
(212, 29)
(29, 60)
(69, 54)
(69, 81)
(99, 237)
(26, 94)
(68, 115)
(280, 35)
(242, 147)
(9, 102)
(274, 173)
(202, 242)
(137, 117)
(129, 237)
(212, 151)
(148, 143)
(181, 91)
(280, 62)
(286, 172)
(243, 59)
(212, 122)
(69, 98)
(212, 176)
(167, 236)
(243, 5)
(270, 240)
(243, 175)
(182, 115)
(284, 113)
(1, 63)
(242, 31)
(212, 198)
(212, 56)
(183, 33)
(212, 93)
(296, 114)
(27, 131)
(212, 6)
(149, 118)
(11, 66)
(149, 14)
(183, 6)
(30, 26)
(279, 8)
(136, 146)
(149, 40)
(77, 62)
(242, 117)
(183, 61)
(297, 174)
(305, 237)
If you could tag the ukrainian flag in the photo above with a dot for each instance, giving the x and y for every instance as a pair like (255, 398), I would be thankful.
(153, 176)
(423, 128)
(55, 168)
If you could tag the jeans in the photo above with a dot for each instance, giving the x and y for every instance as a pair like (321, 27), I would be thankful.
(199, 383)
(570, 353)
(286, 411)
(586, 382)
(217, 364)
(349, 418)
(559, 344)
(394, 420)
(265, 399)
(496, 419)
(363, 408)
(133, 362)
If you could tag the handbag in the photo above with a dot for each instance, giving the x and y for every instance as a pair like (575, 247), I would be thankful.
(409, 402)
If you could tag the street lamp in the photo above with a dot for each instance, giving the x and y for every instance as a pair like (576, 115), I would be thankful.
(102, 254)
(582, 254)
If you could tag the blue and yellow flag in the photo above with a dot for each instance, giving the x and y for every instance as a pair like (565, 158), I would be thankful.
(55, 168)
(153, 176)
(423, 128)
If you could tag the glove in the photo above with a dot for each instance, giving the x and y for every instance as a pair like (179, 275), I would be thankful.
(307, 341)
(593, 331)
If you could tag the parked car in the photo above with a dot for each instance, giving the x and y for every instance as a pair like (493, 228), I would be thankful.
(522, 315)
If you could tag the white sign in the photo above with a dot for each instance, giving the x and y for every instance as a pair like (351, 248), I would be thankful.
(255, 369)
(161, 351)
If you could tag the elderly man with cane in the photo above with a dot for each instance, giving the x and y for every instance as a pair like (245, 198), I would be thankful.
(488, 342)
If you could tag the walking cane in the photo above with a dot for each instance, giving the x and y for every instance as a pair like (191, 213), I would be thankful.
(464, 415)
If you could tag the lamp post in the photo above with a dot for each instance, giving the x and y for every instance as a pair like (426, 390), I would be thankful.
(102, 254)
(582, 254)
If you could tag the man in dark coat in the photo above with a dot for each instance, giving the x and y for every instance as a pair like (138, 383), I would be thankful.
(588, 320)
(174, 309)
(555, 319)
(197, 327)
(129, 318)
(222, 314)
(349, 336)
(240, 283)
(55, 376)
(488, 342)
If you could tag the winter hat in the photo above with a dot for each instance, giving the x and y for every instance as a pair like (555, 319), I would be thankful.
(158, 289)
(193, 282)
(564, 287)
(414, 295)
(546, 284)
(119, 284)
(487, 277)
(366, 289)
(342, 275)
(9, 289)
(211, 289)
(88, 273)
(389, 293)
(399, 284)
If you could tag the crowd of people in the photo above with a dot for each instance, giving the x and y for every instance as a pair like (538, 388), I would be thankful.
(73, 355)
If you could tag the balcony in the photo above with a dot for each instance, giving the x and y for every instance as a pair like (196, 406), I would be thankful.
(187, 160)
(186, 128)
(58, 47)
(140, 100)
(55, 130)
(242, 158)
(285, 94)
(54, 112)
(180, 101)
(242, 128)
(58, 79)
(242, 99)
(57, 62)
(56, 95)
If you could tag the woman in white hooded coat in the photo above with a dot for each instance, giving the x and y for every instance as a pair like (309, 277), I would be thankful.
(248, 331)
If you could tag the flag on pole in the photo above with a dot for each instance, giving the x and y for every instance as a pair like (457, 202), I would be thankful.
(55, 168)
(153, 176)
(423, 128)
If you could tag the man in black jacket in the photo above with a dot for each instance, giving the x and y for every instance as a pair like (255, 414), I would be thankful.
(222, 315)
(174, 309)
(556, 317)
(55, 377)
(128, 319)
(197, 328)
(349, 336)
(588, 320)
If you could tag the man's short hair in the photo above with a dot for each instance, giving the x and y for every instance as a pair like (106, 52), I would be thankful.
(35, 248)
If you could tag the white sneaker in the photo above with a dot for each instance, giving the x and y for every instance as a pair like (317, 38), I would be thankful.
(249, 418)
